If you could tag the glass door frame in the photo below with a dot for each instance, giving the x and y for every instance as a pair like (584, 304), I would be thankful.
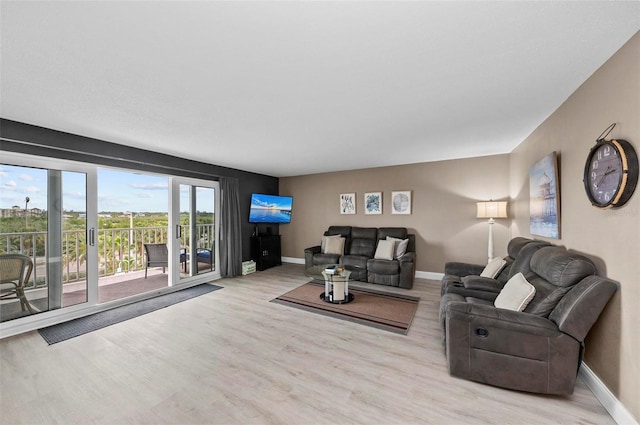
(175, 248)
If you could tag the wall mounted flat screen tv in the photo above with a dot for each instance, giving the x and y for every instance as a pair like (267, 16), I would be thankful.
(270, 209)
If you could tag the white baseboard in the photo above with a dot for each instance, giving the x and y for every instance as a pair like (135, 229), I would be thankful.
(293, 260)
(429, 275)
(616, 409)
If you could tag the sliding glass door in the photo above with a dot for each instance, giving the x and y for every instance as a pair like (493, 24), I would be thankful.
(133, 223)
(84, 231)
(195, 228)
(44, 228)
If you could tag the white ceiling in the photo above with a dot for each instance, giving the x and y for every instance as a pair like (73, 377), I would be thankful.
(292, 88)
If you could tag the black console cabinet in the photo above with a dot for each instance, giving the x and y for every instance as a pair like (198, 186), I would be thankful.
(265, 251)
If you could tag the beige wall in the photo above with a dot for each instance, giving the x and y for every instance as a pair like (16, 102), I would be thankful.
(443, 207)
(612, 237)
(444, 220)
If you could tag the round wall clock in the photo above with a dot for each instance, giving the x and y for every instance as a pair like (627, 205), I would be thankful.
(611, 173)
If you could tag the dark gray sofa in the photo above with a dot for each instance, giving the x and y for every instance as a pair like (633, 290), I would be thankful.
(358, 256)
(539, 349)
(465, 279)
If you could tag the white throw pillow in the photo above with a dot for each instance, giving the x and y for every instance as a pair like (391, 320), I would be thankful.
(385, 250)
(516, 294)
(334, 246)
(323, 246)
(400, 246)
(494, 268)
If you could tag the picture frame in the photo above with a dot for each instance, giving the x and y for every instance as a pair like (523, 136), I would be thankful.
(347, 203)
(544, 198)
(373, 203)
(401, 202)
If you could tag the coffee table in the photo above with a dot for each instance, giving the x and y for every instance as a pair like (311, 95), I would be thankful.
(336, 285)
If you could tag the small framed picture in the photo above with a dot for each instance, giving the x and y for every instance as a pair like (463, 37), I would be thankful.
(347, 203)
(401, 202)
(373, 203)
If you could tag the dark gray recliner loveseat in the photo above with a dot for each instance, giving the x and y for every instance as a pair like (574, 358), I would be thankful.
(359, 251)
(465, 279)
(536, 350)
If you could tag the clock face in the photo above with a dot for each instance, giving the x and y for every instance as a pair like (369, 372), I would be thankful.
(605, 174)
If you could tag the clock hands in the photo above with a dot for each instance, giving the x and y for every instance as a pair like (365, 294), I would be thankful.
(608, 171)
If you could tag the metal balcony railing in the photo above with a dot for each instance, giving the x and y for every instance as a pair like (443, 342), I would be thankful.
(119, 250)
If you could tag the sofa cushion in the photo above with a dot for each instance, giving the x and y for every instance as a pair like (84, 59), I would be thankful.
(394, 232)
(400, 246)
(334, 246)
(344, 231)
(516, 294)
(383, 267)
(494, 268)
(385, 250)
(556, 272)
(364, 233)
(363, 241)
(357, 265)
(515, 245)
(561, 267)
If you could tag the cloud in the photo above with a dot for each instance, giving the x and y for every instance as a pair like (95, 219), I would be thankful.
(10, 185)
(147, 195)
(26, 177)
(75, 195)
(151, 186)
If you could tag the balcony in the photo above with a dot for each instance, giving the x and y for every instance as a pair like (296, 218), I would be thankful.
(121, 265)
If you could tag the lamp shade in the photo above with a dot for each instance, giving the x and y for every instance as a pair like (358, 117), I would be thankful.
(492, 209)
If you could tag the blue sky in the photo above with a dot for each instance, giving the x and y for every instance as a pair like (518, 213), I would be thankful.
(126, 191)
(117, 191)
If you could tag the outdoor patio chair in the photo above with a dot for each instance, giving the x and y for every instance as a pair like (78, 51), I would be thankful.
(157, 256)
(15, 270)
(205, 255)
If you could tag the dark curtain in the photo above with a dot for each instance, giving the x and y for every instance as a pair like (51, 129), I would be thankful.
(230, 229)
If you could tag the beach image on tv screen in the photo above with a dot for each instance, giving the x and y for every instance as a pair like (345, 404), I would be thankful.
(270, 209)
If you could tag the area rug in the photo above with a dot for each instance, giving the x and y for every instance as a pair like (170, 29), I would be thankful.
(382, 310)
(73, 328)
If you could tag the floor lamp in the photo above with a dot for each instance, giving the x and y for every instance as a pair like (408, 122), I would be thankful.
(491, 210)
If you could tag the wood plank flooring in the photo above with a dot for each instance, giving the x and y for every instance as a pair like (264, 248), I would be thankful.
(233, 357)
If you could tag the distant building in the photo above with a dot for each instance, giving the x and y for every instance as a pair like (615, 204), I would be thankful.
(18, 211)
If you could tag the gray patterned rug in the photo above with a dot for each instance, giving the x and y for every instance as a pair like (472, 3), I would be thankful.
(63, 331)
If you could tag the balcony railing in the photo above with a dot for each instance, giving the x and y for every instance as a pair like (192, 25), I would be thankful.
(119, 250)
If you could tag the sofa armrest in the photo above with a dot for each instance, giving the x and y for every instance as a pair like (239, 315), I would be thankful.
(407, 270)
(308, 255)
(489, 316)
(462, 269)
(579, 309)
(313, 249)
(482, 283)
(408, 257)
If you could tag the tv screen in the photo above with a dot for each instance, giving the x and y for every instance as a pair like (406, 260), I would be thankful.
(270, 209)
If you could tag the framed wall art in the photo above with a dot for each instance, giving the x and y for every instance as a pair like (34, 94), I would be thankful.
(347, 203)
(401, 202)
(373, 203)
(544, 198)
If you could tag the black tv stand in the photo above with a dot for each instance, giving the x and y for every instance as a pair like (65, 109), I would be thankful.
(265, 251)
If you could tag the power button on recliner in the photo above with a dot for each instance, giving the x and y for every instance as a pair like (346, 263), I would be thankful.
(482, 333)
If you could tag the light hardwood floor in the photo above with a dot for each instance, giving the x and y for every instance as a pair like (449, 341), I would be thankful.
(233, 357)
